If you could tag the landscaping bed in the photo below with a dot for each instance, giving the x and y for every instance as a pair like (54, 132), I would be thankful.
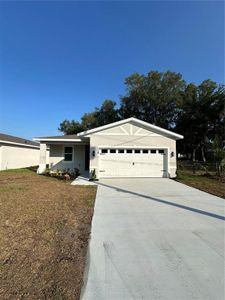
(63, 174)
(44, 230)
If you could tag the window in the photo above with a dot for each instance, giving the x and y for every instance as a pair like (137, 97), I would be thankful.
(104, 151)
(112, 150)
(137, 151)
(129, 150)
(153, 151)
(121, 151)
(145, 151)
(68, 153)
(161, 151)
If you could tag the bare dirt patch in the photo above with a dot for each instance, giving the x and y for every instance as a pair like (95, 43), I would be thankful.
(44, 231)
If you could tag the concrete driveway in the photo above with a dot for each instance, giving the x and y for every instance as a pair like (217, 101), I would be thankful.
(155, 239)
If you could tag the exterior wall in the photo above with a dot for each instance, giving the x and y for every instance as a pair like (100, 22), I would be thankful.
(1, 157)
(56, 158)
(15, 157)
(129, 135)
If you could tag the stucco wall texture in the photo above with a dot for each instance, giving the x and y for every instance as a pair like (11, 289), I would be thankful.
(15, 157)
(56, 159)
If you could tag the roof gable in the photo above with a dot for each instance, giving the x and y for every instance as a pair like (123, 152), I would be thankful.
(138, 128)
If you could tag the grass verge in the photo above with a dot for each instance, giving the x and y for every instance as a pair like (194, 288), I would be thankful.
(205, 182)
(44, 231)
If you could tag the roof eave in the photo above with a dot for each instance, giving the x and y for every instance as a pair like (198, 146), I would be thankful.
(19, 144)
(57, 140)
(97, 129)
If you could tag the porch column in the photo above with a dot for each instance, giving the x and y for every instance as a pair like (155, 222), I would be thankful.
(42, 161)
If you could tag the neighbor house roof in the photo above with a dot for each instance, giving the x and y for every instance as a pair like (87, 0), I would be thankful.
(165, 132)
(14, 140)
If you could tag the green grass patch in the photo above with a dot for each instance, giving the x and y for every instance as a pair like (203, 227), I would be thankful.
(22, 171)
(13, 188)
(206, 182)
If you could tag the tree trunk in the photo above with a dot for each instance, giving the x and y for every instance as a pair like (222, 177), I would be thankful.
(193, 154)
(188, 156)
(217, 169)
(203, 154)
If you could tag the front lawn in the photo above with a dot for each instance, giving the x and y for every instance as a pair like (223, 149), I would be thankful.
(44, 232)
(205, 182)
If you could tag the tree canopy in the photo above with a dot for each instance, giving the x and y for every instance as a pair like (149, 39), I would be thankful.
(153, 98)
(165, 99)
(105, 114)
(201, 118)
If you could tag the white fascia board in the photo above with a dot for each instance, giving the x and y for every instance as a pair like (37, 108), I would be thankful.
(178, 136)
(57, 140)
(165, 131)
(19, 144)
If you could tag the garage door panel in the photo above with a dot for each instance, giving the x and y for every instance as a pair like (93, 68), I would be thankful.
(133, 164)
(115, 165)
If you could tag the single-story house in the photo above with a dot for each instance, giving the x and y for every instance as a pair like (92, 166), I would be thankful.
(18, 153)
(127, 148)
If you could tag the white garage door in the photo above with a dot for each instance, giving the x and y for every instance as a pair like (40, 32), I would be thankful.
(133, 162)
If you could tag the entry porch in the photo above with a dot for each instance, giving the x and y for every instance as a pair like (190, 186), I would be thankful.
(66, 156)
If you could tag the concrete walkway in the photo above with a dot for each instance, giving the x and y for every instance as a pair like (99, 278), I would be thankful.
(83, 180)
(155, 239)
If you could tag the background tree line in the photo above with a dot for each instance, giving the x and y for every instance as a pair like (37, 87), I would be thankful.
(166, 100)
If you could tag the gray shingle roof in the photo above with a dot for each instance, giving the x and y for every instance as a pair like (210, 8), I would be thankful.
(15, 139)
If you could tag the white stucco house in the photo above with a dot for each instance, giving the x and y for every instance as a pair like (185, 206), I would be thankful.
(17, 152)
(127, 148)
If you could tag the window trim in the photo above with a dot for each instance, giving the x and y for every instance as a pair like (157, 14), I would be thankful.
(161, 151)
(125, 148)
(114, 151)
(107, 151)
(129, 150)
(137, 151)
(123, 151)
(145, 151)
(68, 161)
(153, 151)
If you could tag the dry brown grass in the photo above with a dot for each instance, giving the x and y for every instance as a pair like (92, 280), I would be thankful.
(44, 231)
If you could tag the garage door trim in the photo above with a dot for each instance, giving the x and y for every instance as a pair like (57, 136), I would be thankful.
(133, 147)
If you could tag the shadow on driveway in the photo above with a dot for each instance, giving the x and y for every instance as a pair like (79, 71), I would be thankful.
(195, 210)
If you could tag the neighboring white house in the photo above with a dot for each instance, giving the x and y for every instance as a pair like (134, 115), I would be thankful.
(127, 148)
(17, 152)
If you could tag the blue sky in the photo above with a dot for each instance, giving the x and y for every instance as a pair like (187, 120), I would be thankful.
(61, 59)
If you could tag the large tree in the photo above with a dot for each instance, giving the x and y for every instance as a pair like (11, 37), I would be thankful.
(105, 114)
(153, 98)
(164, 99)
(70, 127)
(201, 118)
(88, 120)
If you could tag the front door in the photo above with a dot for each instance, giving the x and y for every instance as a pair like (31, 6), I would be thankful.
(87, 157)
